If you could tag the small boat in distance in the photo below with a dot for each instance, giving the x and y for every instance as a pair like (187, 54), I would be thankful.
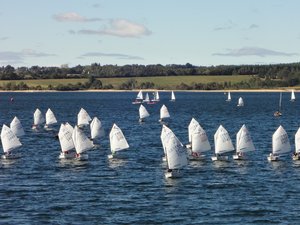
(83, 118)
(10, 142)
(156, 97)
(293, 97)
(280, 144)
(139, 98)
(243, 143)
(117, 140)
(278, 112)
(143, 113)
(164, 113)
(228, 97)
(50, 119)
(296, 155)
(240, 102)
(147, 98)
(223, 144)
(173, 98)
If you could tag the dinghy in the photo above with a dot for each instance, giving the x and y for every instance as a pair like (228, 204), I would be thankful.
(66, 142)
(83, 118)
(192, 126)
(156, 97)
(139, 98)
(173, 97)
(279, 113)
(243, 143)
(117, 140)
(82, 143)
(176, 157)
(143, 113)
(293, 97)
(164, 113)
(17, 127)
(280, 144)
(147, 98)
(200, 144)
(223, 144)
(10, 142)
(296, 155)
(50, 118)
(228, 97)
(164, 136)
(38, 119)
(97, 130)
(240, 102)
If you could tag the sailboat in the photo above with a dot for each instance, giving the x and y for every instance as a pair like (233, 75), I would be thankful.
(240, 102)
(10, 142)
(17, 127)
(117, 140)
(156, 97)
(173, 97)
(243, 143)
(38, 119)
(200, 143)
(280, 144)
(143, 113)
(223, 144)
(82, 143)
(66, 141)
(139, 98)
(176, 157)
(83, 118)
(228, 97)
(166, 132)
(164, 113)
(279, 113)
(192, 126)
(147, 98)
(293, 97)
(50, 118)
(296, 155)
(97, 130)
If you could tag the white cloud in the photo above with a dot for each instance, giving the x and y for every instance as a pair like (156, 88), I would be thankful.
(120, 28)
(112, 55)
(253, 51)
(73, 17)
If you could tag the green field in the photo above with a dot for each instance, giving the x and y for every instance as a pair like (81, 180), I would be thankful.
(167, 82)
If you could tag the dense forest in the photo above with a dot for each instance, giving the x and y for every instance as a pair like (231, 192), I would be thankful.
(264, 76)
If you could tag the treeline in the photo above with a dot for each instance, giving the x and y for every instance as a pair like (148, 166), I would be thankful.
(272, 71)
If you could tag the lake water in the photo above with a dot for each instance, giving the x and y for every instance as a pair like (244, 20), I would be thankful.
(40, 189)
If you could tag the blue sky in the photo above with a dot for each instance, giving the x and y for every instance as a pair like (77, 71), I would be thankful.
(200, 32)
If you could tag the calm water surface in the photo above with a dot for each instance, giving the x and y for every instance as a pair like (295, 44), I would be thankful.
(39, 189)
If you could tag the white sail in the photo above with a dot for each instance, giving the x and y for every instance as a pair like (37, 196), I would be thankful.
(228, 97)
(17, 127)
(280, 142)
(140, 95)
(240, 102)
(97, 130)
(200, 141)
(165, 135)
(147, 98)
(173, 96)
(222, 141)
(297, 141)
(192, 126)
(117, 139)
(38, 118)
(83, 118)
(164, 113)
(81, 142)
(293, 97)
(65, 138)
(50, 117)
(9, 139)
(243, 140)
(143, 112)
(176, 154)
(156, 96)
(69, 127)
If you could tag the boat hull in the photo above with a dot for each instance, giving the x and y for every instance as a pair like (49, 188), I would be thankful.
(11, 156)
(63, 155)
(219, 158)
(296, 157)
(173, 174)
(238, 157)
(196, 157)
(82, 157)
(272, 158)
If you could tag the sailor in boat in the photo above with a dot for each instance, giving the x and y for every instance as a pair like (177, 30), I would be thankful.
(277, 113)
(296, 156)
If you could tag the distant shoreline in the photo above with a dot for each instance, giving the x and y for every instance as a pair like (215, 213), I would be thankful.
(153, 90)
